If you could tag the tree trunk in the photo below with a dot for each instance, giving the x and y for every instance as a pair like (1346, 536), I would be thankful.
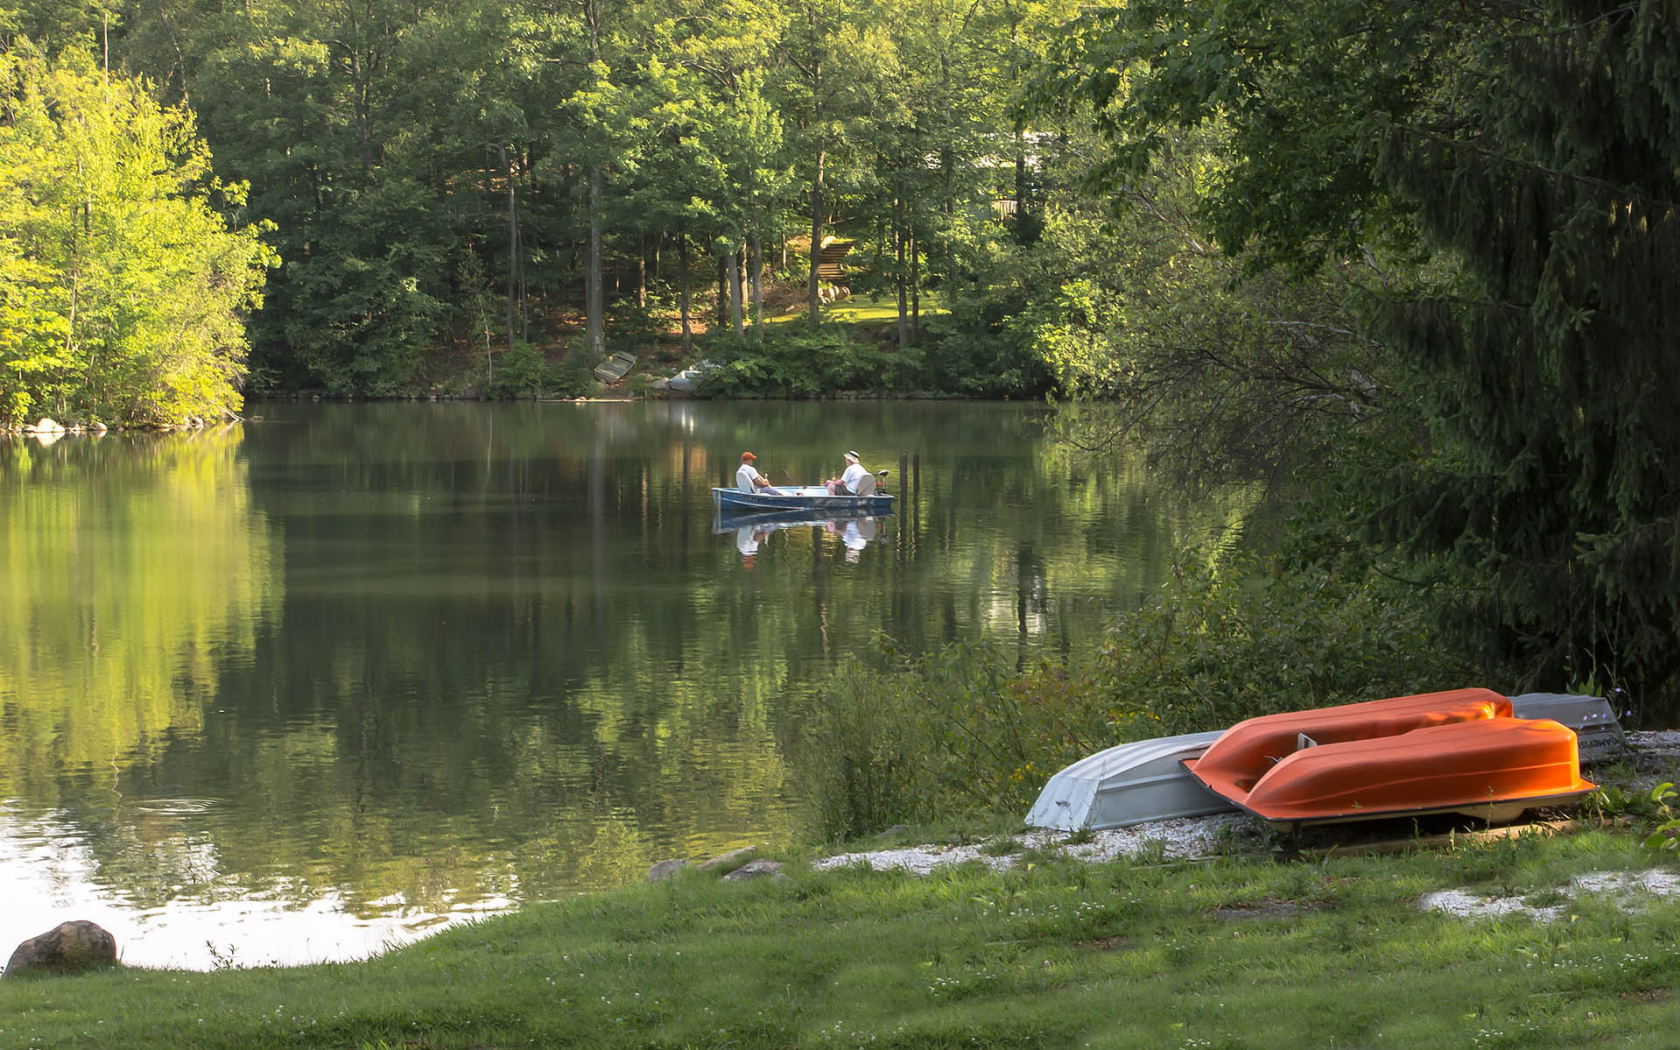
(811, 284)
(524, 282)
(757, 271)
(513, 244)
(682, 291)
(723, 292)
(1020, 174)
(898, 269)
(735, 295)
(593, 305)
(915, 289)
(641, 272)
(815, 304)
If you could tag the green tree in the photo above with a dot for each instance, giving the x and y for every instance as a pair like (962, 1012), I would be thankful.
(1526, 155)
(125, 291)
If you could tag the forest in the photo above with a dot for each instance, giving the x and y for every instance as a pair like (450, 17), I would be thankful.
(1414, 261)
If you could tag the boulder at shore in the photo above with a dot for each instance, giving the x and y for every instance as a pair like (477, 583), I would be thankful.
(69, 948)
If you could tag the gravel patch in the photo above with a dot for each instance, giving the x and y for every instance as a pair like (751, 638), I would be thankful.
(1660, 742)
(1163, 839)
(1630, 891)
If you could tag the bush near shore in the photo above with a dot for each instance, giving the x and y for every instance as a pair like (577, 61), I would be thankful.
(969, 731)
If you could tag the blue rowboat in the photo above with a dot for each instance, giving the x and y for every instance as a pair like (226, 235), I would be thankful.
(799, 498)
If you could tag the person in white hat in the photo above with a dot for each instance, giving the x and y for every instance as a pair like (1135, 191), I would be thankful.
(847, 482)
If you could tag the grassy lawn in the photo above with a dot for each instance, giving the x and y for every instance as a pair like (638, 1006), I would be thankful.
(866, 309)
(1222, 954)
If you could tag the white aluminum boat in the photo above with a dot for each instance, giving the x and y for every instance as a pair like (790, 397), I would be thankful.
(1129, 784)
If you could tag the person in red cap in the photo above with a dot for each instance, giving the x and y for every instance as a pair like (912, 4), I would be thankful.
(748, 479)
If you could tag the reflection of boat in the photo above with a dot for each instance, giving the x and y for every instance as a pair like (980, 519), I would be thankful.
(1451, 752)
(1147, 780)
(856, 529)
(799, 497)
(1129, 784)
(728, 520)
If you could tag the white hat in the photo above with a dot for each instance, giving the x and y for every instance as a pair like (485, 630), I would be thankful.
(853, 456)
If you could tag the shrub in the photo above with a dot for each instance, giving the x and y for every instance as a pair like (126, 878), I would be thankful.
(963, 731)
(518, 373)
(570, 378)
(796, 361)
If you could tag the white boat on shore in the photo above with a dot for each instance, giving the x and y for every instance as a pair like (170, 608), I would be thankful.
(1129, 784)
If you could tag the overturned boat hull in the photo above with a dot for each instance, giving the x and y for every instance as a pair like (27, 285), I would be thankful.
(1597, 732)
(1249, 749)
(1128, 784)
(1491, 769)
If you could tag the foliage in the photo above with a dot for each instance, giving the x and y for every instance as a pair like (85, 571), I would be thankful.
(124, 291)
(1546, 371)
(570, 378)
(424, 161)
(867, 765)
(967, 729)
(1505, 180)
(519, 373)
(797, 362)
(1665, 837)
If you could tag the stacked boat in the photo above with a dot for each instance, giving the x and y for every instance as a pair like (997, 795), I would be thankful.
(1468, 751)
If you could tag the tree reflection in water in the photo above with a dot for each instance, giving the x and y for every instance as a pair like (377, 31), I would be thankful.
(361, 667)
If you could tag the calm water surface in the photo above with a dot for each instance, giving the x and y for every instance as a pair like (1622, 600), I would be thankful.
(305, 688)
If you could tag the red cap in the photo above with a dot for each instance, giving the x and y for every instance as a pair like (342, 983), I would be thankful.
(747, 455)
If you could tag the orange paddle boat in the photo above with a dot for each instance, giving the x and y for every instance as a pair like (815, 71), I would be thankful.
(1452, 752)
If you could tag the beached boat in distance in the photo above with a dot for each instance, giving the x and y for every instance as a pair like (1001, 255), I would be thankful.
(797, 498)
(1128, 784)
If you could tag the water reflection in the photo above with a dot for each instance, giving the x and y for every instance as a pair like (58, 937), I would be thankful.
(378, 667)
(51, 874)
(751, 531)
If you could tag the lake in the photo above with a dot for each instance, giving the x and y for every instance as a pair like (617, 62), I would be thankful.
(309, 687)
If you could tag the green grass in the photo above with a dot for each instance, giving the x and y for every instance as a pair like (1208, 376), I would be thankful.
(866, 309)
(1230, 953)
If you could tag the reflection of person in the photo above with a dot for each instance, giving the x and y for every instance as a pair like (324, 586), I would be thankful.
(748, 479)
(853, 540)
(747, 540)
(847, 482)
(854, 535)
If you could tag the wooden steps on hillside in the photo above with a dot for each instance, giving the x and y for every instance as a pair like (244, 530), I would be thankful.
(829, 262)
